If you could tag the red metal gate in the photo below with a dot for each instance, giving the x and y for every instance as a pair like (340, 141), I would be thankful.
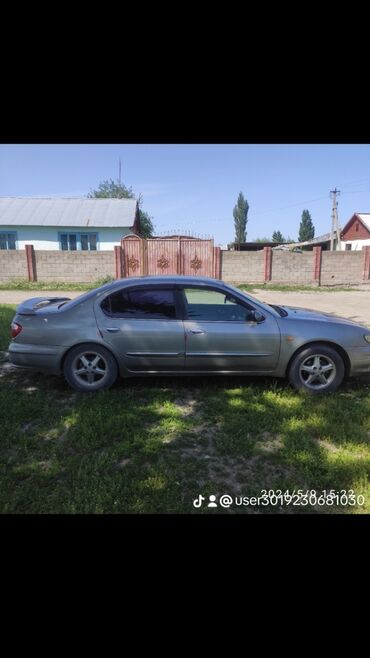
(163, 256)
(197, 257)
(170, 256)
(134, 258)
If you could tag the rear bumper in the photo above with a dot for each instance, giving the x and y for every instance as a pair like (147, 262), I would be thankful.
(360, 360)
(39, 357)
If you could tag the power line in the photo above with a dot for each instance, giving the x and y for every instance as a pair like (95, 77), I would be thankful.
(305, 203)
(356, 191)
(294, 205)
(362, 180)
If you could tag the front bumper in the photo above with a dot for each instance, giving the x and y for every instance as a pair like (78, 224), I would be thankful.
(39, 357)
(360, 360)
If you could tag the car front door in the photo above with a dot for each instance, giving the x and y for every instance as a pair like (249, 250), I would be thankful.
(222, 336)
(141, 324)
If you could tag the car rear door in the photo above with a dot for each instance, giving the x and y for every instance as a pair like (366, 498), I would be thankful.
(142, 324)
(220, 337)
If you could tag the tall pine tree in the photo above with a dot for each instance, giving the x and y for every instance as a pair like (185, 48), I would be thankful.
(306, 227)
(240, 214)
(277, 236)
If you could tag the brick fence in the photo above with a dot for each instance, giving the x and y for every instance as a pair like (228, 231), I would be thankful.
(13, 265)
(315, 267)
(45, 266)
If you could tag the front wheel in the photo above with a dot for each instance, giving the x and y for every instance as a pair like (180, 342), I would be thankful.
(317, 369)
(90, 367)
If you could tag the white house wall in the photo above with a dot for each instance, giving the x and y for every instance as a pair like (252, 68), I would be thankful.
(357, 245)
(43, 237)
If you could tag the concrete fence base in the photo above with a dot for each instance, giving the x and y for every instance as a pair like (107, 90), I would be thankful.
(312, 268)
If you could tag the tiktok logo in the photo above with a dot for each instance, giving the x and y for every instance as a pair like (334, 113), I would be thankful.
(197, 502)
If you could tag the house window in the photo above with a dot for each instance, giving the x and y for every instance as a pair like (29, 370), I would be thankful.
(78, 241)
(88, 241)
(357, 226)
(68, 241)
(348, 247)
(8, 240)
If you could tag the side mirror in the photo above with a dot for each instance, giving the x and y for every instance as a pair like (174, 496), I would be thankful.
(256, 316)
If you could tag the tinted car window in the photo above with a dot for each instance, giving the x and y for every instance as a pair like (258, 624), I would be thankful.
(139, 304)
(214, 306)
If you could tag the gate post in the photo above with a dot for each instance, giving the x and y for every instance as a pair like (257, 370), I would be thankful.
(31, 262)
(217, 262)
(267, 257)
(118, 261)
(366, 272)
(316, 274)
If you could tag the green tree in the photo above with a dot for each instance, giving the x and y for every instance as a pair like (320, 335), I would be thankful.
(277, 236)
(146, 224)
(306, 227)
(109, 189)
(240, 214)
(262, 240)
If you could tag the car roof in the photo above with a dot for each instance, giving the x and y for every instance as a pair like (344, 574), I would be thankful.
(169, 279)
(142, 280)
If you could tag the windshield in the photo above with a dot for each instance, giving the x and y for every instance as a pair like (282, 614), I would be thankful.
(254, 300)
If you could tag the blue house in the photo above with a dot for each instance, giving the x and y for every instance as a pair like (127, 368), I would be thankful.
(66, 224)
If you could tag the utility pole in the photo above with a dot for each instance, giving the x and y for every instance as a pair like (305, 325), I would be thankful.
(334, 219)
(119, 176)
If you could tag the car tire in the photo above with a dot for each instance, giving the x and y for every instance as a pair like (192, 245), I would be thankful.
(317, 369)
(90, 367)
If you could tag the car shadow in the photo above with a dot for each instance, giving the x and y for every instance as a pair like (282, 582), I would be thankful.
(151, 445)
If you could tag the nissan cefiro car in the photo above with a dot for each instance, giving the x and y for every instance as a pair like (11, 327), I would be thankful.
(179, 325)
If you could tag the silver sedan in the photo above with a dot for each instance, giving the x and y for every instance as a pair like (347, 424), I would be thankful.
(176, 325)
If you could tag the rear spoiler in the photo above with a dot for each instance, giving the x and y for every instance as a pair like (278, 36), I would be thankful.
(31, 306)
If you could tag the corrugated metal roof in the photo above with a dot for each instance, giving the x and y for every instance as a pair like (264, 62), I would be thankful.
(26, 211)
(319, 239)
(365, 217)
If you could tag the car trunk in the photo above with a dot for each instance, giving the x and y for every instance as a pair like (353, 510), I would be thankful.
(37, 305)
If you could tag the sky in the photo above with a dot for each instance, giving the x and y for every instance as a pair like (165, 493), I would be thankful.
(194, 187)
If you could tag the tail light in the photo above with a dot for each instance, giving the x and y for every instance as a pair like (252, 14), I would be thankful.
(15, 329)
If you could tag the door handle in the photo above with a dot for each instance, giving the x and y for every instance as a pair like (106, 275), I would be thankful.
(196, 331)
(112, 330)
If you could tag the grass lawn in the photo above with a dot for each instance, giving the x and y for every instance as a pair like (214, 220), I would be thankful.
(6, 316)
(154, 445)
(22, 284)
(281, 287)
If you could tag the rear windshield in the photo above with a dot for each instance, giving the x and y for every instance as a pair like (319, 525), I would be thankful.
(85, 296)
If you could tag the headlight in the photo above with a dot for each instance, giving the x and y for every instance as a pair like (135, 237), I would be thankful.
(367, 338)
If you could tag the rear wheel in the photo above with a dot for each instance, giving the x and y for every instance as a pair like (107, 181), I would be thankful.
(90, 367)
(317, 369)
